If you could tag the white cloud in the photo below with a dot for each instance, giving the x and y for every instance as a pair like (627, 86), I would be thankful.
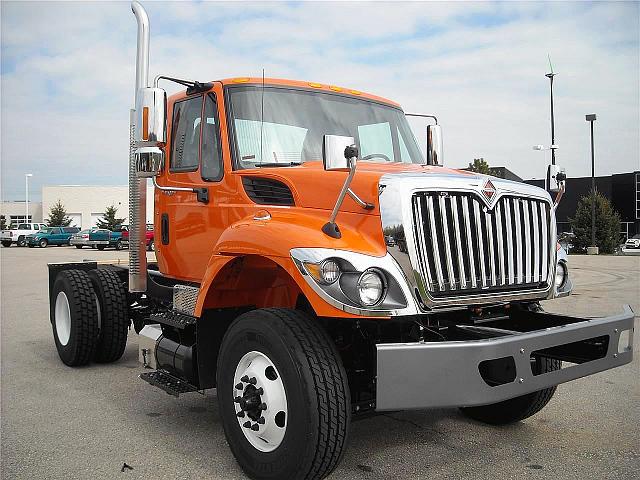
(68, 73)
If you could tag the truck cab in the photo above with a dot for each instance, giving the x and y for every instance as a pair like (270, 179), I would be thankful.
(313, 264)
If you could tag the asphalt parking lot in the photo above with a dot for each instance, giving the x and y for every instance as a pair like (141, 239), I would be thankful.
(59, 422)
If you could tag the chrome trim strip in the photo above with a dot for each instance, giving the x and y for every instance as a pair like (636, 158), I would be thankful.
(519, 252)
(510, 256)
(527, 241)
(456, 229)
(545, 256)
(498, 214)
(467, 226)
(479, 236)
(536, 243)
(434, 242)
(422, 251)
(447, 243)
(492, 257)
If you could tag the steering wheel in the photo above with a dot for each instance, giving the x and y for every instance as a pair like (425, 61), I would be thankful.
(374, 155)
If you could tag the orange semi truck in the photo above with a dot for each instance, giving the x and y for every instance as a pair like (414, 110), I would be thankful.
(313, 265)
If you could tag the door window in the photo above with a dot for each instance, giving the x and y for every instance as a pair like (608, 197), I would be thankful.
(185, 135)
(211, 151)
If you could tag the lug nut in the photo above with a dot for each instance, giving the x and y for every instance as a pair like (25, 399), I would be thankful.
(255, 427)
(240, 414)
(253, 380)
(263, 406)
(239, 386)
(237, 399)
(245, 379)
(247, 424)
(261, 420)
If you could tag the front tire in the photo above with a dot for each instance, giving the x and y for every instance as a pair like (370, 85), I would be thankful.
(100, 247)
(21, 241)
(519, 408)
(114, 315)
(78, 247)
(44, 243)
(152, 246)
(6, 244)
(74, 317)
(306, 436)
(118, 245)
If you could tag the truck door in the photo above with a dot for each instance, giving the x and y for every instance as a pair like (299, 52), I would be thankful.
(188, 225)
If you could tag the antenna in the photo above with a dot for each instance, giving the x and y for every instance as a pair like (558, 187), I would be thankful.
(550, 76)
(261, 116)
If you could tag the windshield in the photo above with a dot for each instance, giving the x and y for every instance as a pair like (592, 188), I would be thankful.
(295, 121)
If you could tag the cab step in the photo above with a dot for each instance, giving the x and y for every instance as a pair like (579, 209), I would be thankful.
(167, 382)
(173, 319)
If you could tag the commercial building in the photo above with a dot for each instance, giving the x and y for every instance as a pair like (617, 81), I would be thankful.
(85, 204)
(622, 189)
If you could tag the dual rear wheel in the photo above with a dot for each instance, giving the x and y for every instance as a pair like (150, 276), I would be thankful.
(89, 316)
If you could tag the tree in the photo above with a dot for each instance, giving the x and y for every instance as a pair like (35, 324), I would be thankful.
(109, 219)
(479, 166)
(58, 216)
(607, 224)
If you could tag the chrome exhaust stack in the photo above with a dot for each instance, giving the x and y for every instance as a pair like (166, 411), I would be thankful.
(137, 185)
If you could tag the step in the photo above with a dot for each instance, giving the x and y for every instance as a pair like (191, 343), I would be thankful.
(174, 319)
(167, 382)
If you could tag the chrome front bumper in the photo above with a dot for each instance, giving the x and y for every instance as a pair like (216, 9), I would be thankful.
(447, 374)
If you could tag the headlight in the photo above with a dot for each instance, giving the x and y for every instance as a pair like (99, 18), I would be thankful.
(371, 287)
(561, 275)
(326, 272)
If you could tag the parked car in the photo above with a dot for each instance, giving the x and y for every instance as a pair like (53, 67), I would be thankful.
(149, 237)
(18, 234)
(103, 238)
(633, 242)
(51, 236)
(81, 239)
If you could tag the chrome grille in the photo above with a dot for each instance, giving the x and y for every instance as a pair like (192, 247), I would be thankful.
(464, 248)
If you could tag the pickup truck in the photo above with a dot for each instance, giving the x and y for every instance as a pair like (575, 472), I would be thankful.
(18, 234)
(149, 237)
(102, 238)
(51, 236)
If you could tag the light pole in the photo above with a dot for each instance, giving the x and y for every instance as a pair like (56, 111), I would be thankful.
(592, 118)
(26, 194)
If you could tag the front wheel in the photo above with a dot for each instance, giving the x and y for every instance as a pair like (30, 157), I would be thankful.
(78, 247)
(101, 247)
(118, 245)
(6, 243)
(44, 243)
(151, 247)
(519, 408)
(21, 241)
(283, 395)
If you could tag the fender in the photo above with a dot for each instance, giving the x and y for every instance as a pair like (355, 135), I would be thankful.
(273, 237)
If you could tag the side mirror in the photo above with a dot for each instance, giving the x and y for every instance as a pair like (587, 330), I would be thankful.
(333, 153)
(434, 145)
(151, 117)
(149, 162)
(555, 178)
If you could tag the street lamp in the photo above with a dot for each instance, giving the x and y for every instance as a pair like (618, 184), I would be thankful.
(594, 249)
(26, 194)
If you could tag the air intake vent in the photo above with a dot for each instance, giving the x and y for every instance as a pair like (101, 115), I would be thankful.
(267, 192)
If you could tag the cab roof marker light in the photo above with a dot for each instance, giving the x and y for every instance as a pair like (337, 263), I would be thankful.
(335, 89)
(240, 80)
(315, 85)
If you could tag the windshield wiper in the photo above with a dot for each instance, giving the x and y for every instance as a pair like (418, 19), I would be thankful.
(278, 164)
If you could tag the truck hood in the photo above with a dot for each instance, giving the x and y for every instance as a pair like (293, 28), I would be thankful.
(313, 187)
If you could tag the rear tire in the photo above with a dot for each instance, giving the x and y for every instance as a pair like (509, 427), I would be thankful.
(151, 247)
(21, 241)
(100, 247)
(519, 408)
(316, 410)
(74, 317)
(118, 245)
(6, 244)
(114, 315)
(78, 246)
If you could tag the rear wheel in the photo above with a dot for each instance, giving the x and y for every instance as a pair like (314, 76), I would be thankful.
(101, 247)
(283, 395)
(74, 317)
(43, 243)
(6, 244)
(21, 241)
(118, 245)
(152, 246)
(78, 246)
(519, 408)
(114, 315)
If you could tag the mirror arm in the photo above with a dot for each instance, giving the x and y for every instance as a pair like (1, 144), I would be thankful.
(559, 195)
(359, 201)
(331, 228)
(422, 116)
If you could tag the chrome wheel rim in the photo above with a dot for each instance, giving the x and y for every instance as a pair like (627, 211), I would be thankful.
(63, 319)
(260, 401)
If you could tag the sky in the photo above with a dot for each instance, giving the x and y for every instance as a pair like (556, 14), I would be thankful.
(68, 71)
